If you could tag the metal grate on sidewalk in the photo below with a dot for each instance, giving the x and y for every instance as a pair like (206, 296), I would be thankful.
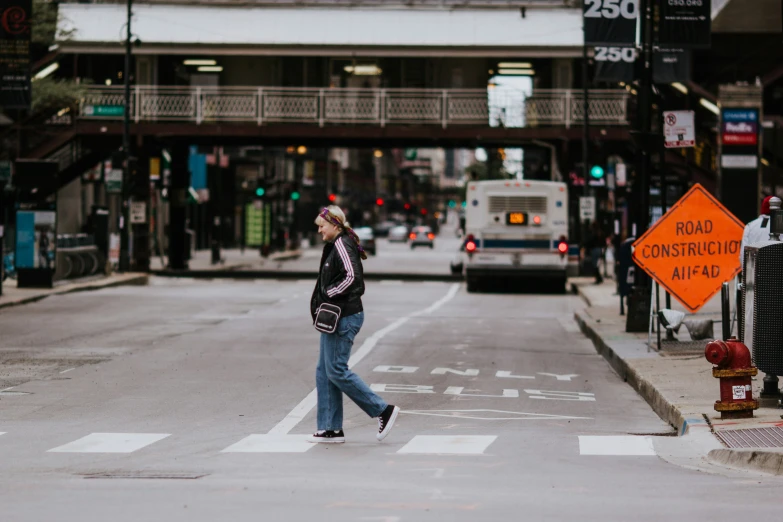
(752, 438)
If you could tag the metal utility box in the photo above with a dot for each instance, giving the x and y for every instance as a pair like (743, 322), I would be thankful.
(762, 305)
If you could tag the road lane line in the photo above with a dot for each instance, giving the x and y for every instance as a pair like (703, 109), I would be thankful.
(623, 445)
(110, 443)
(308, 403)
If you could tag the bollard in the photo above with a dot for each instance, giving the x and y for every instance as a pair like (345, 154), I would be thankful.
(725, 308)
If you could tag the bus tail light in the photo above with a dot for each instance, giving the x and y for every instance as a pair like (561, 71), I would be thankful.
(536, 220)
(470, 244)
(431, 236)
(413, 235)
(562, 247)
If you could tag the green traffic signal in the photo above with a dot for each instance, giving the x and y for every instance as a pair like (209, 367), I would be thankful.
(260, 191)
(295, 196)
(452, 203)
(597, 172)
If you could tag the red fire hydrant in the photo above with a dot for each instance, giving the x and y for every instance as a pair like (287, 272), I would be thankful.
(734, 369)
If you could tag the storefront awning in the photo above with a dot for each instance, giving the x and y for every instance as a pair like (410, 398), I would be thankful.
(99, 28)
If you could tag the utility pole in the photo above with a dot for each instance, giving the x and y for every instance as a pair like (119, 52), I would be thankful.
(125, 203)
(645, 120)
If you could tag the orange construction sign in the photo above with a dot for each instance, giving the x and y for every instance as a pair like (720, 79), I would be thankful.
(693, 249)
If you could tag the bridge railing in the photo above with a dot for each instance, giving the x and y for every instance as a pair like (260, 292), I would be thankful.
(445, 107)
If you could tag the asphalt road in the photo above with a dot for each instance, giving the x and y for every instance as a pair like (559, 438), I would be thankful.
(189, 400)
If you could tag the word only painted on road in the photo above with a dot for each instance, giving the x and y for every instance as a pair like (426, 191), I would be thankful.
(471, 372)
(552, 395)
(693, 249)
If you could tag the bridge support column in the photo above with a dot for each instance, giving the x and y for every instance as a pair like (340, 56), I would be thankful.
(178, 200)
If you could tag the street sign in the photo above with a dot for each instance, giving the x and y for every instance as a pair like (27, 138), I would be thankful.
(104, 110)
(138, 212)
(586, 208)
(610, 22)
(113, 181)
(620, 172)
(678, 129)
(685, 23)
(693, 249)
(16, 18)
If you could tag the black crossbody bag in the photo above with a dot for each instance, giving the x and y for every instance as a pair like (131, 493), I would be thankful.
(326, 318)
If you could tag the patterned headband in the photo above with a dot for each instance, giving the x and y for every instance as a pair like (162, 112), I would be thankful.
(331, 218)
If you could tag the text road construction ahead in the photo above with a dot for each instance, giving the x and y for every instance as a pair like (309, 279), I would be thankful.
(693, 249)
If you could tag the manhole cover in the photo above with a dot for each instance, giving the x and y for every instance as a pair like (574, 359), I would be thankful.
(144, 475)
(752, 438)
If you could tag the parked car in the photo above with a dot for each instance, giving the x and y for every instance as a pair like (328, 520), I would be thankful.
(367, 237)
(382, 229)
(399, 233)
(422, 236)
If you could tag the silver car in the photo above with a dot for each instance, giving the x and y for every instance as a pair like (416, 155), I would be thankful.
(422, 236)
(399, 233)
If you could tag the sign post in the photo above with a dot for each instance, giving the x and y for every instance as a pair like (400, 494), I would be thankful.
(586, 209)
(693, 249)
(679, 129)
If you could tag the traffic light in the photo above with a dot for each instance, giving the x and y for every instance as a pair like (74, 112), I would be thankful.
(407, 206)
(332, 198)
(260, 188)
(597, 172)
(295, 196)
(379, 202)
(452, 203)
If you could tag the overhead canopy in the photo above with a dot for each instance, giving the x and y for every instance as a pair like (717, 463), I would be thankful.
(181, 29)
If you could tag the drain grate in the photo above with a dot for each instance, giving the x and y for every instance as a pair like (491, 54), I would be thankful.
(157, 475)
(752, 438)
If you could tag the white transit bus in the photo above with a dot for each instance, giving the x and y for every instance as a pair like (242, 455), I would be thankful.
(517, 228)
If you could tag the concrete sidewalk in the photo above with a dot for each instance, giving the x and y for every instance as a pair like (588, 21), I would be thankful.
(679, 386)
(13, 296)
(231, 260)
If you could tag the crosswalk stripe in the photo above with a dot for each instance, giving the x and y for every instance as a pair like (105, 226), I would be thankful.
(448, 444)
(270, 444)
(110, 443)
(623, 445)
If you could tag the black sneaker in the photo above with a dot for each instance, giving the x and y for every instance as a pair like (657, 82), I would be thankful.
(327, 437)
(386, 421)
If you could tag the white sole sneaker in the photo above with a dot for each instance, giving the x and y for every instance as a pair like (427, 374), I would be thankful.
(382, 435)
(324, 440)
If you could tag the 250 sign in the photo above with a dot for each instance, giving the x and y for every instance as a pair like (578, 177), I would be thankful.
(611, 9)
(615, 54)
(610, 22)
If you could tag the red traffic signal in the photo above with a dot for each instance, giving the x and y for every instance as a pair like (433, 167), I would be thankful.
(332, 197)
(379, 202)
(407, 206)
(424, 212)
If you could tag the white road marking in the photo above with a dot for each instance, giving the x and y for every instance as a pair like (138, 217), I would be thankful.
(395, 369)
(448, 444)
(391, 282)
(483, 414)
(2, 432)
(68, 370)
(507, 375)
(457, 390)
(401, 388)
(382, 519)
(270, 444)
(624, 445)
(110, 443)
(565, 377)
(560, 395)
(465, 373)
(308, 403)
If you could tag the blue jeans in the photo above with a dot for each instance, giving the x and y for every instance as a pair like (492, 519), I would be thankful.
(333, 378)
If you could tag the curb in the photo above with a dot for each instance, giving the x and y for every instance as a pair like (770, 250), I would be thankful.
(668, 412)
(138, 280)
(753, 460)
(275, 274)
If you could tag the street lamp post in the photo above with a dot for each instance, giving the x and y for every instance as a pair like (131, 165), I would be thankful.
(125, 203)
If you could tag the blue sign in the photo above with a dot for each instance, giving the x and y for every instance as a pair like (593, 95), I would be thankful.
(197, 164)
(25, 239)
(740, 115)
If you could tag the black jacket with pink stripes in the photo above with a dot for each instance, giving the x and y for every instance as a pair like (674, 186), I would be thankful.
(340, 277)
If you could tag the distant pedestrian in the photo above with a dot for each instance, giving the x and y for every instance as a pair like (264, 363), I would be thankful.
(757, 230)
(595, 244)
(341, 283)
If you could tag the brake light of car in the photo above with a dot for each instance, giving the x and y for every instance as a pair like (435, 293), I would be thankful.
(413, 235)
(536, 220)
(431, 236)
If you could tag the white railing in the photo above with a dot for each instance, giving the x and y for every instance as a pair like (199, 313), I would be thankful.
(382, 107)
